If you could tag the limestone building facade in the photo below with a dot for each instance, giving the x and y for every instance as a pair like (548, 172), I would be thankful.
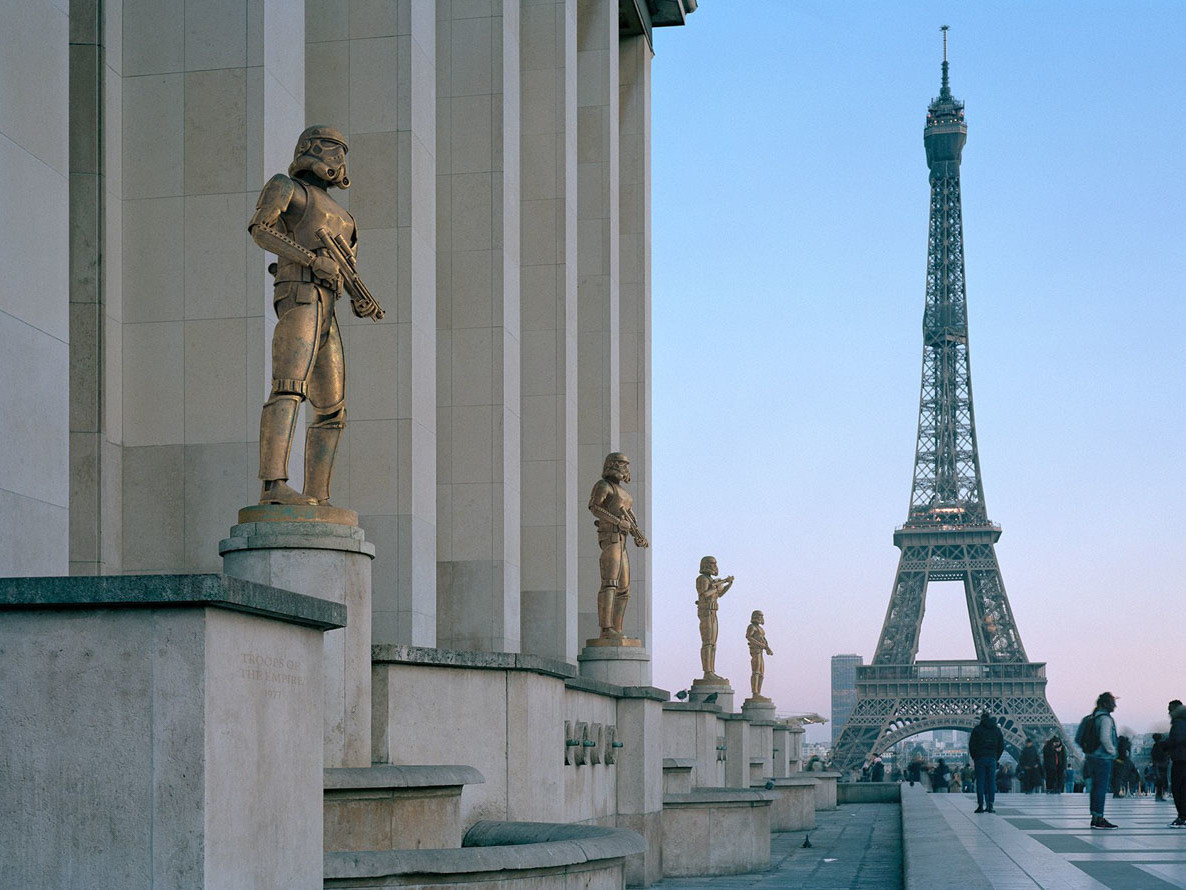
(500, 155)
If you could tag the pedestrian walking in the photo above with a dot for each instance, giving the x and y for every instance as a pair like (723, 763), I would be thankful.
(985, 746)
(1097, 737)
(1177, 746)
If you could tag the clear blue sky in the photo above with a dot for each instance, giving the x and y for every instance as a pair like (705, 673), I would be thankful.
(789, 244)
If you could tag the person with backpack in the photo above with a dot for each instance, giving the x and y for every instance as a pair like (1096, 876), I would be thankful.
(1096, 736)
(1177, 746)
(985, 746)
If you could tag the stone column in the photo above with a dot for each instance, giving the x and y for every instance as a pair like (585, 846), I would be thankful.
(478, 327)
(212, 95)
(598, 219)
(319, 552)
(371, 72)
(634, 310)
(553, 506)
(95, 384)
(34, 305)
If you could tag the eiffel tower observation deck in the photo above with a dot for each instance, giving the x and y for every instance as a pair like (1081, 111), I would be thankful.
(947, 535)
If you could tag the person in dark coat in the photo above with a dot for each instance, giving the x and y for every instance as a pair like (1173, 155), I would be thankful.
(877, 771)
(1124, 771)
(1054, 762)
(914, 769)
(1159, 757)
(939, 776)
(1177, 746)
(1029, 771)
(1004, 779)
(986, 744)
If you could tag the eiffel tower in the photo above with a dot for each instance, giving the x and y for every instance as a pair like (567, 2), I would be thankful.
(947, 535)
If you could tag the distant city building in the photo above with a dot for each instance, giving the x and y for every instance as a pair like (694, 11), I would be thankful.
(844, 690)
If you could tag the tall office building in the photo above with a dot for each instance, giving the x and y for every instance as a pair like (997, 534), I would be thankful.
(844, 690)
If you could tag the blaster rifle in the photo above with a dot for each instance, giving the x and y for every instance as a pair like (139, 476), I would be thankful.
(616, 522)
(362, 301)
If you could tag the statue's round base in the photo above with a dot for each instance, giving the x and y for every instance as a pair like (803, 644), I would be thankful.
(758, 708)
(319, 552)
(715, 691)
(624, 663)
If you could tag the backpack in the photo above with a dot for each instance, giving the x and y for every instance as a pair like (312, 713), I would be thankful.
(1087, 736)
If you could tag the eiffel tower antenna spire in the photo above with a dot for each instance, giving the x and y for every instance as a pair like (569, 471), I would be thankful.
(945, 89)
(947, 535)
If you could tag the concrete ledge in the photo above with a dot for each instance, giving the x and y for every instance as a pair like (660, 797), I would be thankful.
(390, 775)
(510, 661)
(747, 797)
(494, 661)
(712, 707)
(868, 792)
(932, 854)
(158, 591)
(493, 852)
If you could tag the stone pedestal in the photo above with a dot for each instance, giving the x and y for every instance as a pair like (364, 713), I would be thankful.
(758, 708)
(319, 552)
(625, 665)
(702, 691)
(160, 731)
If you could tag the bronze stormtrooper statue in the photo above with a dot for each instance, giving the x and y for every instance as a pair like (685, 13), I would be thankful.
(314, 239)
(613, 507)
(709, 589)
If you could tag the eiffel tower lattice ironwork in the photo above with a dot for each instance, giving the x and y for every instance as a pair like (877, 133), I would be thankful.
(947, 535)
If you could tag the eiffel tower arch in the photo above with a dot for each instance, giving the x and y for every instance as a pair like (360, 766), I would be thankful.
(947, 535)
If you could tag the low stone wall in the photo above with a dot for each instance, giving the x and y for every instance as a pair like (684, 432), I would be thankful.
(932, 854)
(825, 788)
(388, 807)
(868, 792)
(498, 856)
(716, 831)
(793, 808)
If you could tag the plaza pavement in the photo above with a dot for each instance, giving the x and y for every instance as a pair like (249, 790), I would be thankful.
(1039, 840)
(1032, 841)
